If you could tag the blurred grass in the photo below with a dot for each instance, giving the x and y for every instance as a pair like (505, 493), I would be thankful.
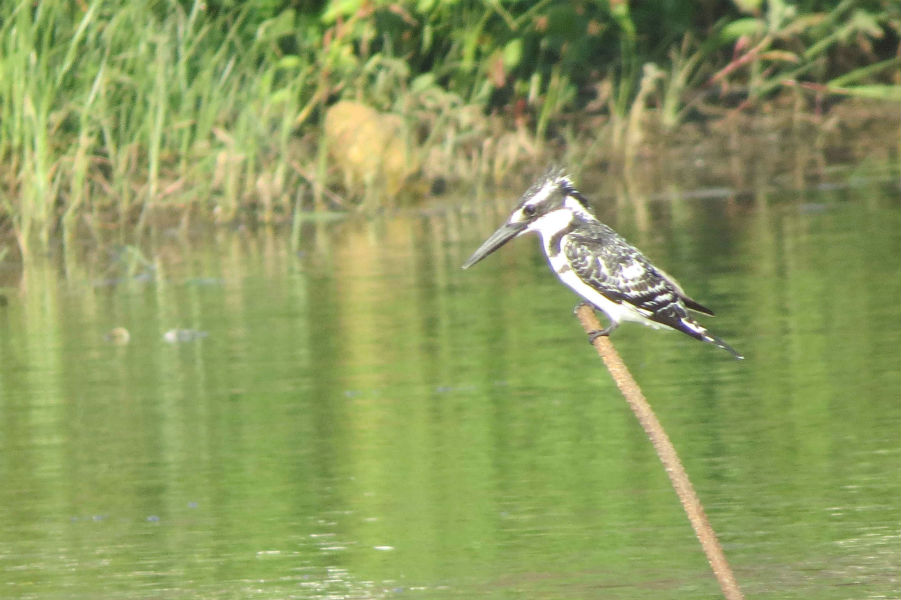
(111, 111)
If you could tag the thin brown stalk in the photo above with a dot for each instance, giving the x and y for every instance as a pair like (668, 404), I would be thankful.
(667, 454)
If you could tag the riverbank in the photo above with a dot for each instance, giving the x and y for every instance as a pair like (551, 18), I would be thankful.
(264, 115)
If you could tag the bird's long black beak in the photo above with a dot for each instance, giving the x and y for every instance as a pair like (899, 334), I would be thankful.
(504, 234)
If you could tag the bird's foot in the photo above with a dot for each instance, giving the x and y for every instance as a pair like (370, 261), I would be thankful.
(593, 335)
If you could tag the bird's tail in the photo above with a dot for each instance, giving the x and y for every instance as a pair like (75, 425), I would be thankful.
(720, 343)
(698, 331)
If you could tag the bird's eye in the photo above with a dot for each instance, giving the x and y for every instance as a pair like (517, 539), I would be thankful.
(528, 210)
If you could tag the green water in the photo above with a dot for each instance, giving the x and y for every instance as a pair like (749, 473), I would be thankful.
(365, 420)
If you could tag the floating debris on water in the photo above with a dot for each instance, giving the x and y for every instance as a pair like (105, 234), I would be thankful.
(204, 281)
(118, 336)
(177, 336)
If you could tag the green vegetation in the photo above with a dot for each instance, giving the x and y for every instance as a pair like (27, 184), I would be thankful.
(111, 111)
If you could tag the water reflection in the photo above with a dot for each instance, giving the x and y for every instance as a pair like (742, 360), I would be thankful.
(364, 419)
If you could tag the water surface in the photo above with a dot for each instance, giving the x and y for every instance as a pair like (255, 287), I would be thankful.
(365, 420)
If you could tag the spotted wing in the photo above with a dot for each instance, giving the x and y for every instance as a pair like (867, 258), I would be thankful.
(622, 274)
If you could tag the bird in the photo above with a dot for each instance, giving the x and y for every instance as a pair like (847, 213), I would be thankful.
(598, 264)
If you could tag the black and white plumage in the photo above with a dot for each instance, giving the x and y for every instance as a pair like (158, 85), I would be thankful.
(597, 263)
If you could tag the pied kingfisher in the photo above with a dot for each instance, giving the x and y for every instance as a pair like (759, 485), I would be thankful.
(598, 264)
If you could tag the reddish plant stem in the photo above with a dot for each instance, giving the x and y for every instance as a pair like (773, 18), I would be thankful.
(667, 454)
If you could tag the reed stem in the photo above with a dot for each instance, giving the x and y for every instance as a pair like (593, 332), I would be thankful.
(667, 454)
